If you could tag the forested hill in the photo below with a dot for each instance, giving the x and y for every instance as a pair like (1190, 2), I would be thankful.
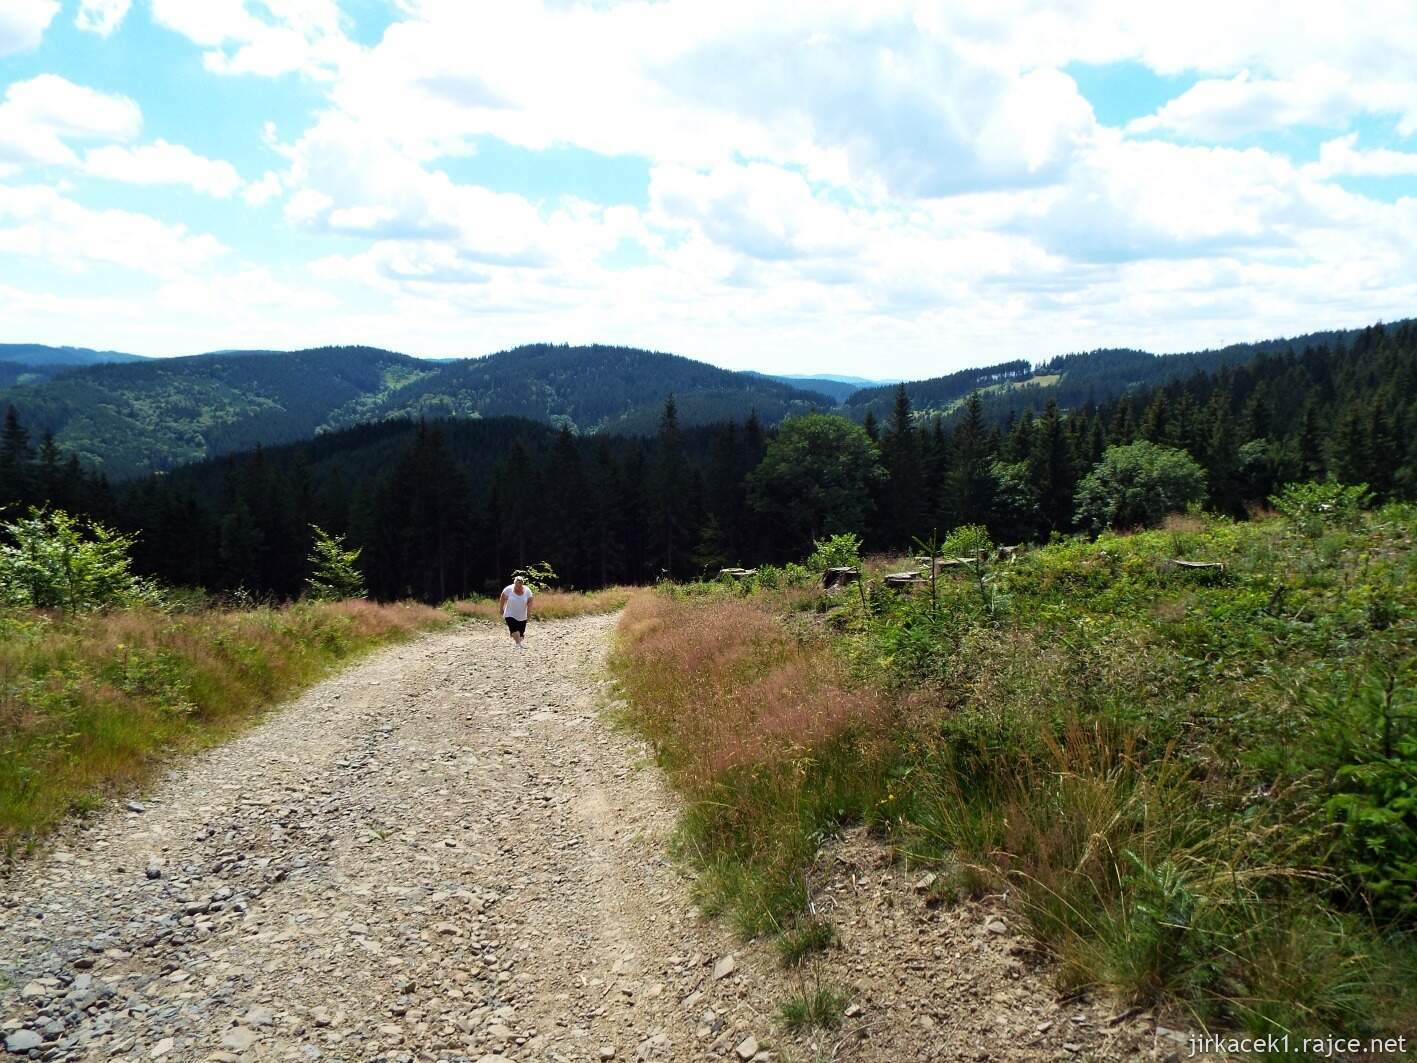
(446, 507)
(1073, 380)
(594, 388)
(152, 415)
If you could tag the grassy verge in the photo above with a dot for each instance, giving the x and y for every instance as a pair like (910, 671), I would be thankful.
(553, 605)
(88, 706)
(1198, 785)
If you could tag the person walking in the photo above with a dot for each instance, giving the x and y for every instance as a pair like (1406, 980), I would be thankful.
(515, 604)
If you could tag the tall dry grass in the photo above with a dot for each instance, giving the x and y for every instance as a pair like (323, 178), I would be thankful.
(89, 706)
(763, 734)
(552, 605)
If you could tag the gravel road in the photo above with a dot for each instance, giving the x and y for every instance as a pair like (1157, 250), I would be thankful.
(444, 853)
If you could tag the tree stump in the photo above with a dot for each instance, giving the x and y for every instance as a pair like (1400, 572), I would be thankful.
(904, 580)
(839, 577)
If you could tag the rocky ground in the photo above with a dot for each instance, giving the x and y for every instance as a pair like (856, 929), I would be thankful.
(444, 853)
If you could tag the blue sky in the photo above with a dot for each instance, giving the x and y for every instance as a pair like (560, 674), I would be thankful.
(896, 190)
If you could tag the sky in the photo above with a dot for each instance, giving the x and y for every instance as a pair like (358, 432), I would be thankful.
(893, 189)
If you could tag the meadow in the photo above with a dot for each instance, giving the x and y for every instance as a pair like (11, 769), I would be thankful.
(1196, 786)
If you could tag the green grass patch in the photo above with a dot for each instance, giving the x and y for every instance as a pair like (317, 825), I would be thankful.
(91, 704)
(804, 940)
(818, 1008)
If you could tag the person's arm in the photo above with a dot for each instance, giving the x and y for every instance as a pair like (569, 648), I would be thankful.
(501, 602)
(529, 599)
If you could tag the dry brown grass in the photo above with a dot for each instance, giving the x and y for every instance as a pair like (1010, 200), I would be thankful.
(762, 732)
(553, 605)
(90, 706)
(727, 686)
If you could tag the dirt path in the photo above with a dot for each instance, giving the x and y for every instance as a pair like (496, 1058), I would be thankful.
(443, 853)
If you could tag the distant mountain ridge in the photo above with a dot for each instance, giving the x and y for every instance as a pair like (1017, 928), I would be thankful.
(149, 415)
(1072, 380)
(40, 354)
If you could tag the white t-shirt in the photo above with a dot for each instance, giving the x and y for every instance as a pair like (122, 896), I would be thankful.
(516, 603)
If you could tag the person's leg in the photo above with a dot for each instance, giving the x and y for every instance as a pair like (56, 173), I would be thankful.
(511, 628)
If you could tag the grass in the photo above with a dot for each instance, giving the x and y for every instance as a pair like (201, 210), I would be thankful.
(89, 706)
(757, 728)
(808, 938)
(1194, 785)
(552, 605)
(821, 1007)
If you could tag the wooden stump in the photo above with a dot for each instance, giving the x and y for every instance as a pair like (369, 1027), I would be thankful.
(839, 577)
(904, 580)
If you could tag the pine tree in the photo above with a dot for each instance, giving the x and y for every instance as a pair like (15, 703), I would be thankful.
(670, 483)
(905, 486)
(15, 454)
(971, 478)
(1051, 469)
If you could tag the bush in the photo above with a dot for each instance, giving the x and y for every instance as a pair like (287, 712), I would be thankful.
(1311, 507)
(838, 551)
(1137, 485)
(55, 561)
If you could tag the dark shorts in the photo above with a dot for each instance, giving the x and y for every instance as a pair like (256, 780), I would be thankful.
(515, 626)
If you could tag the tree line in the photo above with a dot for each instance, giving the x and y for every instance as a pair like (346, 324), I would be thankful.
(447, 508)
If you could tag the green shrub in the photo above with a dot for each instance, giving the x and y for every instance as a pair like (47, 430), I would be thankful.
(1134, 486)
(837, 551)
(1312, 507)
(50, 560)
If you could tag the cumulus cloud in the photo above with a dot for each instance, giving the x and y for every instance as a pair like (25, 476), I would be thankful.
(23, 22)
(259, 193)
(161, 163)
(914, 178)
(42, 223)
(101, 16)
(266, 38)
(1341, 157)
(1229, 109)
(38, 116)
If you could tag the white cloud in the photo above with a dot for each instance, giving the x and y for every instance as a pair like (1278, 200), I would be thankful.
(915, 180)
(846, 92)
(259, 193)
(23, 22)
(1229, 109)
(266, 38)
(40, 222)
(1342, 157)
(39, 115)
(761, 211)
(101, 16)
(161, 163)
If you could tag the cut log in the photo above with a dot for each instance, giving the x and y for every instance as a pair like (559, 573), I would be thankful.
(737, 573)
(839, 577)
(1178, 563)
